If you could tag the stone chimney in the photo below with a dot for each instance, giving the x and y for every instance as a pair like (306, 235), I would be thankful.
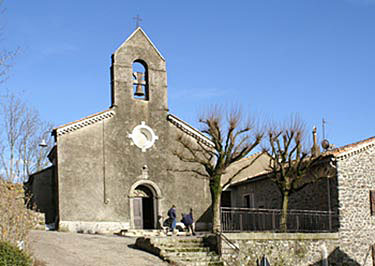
(315, 150)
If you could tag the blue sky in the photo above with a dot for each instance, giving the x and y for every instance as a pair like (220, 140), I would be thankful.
(272, 57)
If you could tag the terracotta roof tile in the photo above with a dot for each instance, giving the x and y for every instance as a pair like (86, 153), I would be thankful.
(260, 167)
(349, 147)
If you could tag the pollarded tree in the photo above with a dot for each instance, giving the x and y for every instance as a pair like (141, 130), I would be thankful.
(293, 166)
(231, 140)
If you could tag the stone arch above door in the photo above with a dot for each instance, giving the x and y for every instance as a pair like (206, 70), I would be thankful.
(147, 183)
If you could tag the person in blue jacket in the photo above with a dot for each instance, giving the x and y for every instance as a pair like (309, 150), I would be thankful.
(172, 216)
(188, 221)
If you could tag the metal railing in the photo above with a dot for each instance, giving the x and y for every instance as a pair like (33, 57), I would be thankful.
(229, 242)
(249, 219)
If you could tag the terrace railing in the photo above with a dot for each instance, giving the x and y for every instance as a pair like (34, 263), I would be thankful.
(250, 219)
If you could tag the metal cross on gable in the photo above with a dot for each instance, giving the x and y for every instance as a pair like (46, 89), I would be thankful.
(137, 21)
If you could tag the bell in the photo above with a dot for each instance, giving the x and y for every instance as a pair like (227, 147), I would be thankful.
(138, 81)
(139, 90)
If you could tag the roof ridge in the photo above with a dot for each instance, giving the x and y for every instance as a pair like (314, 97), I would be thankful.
(190, 130)
(147, 38)
(353, 148)
(88, 120)
(249, 157)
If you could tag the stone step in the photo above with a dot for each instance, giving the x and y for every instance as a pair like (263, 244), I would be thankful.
(177, 241)
(149, 232)
(182, 238)
(181, 250)
(182, 245)
(201, 263)
(199, 255)
(193, 256)
(186, 249)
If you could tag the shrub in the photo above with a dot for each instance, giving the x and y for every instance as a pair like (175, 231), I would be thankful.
(15, 219)
(12, 256)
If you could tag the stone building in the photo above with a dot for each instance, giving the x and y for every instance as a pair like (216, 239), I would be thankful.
(115, 170)
(349, 195)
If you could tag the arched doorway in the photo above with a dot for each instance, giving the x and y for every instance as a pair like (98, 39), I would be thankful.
(144, 202)
(143, 205)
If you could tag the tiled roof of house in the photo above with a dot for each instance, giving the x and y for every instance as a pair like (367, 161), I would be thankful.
(260, 167)
(351, 149)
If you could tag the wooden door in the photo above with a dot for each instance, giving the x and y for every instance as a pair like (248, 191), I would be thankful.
(138, 215)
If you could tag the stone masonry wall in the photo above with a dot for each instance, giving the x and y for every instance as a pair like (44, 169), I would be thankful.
(281, 249)
(356, 177)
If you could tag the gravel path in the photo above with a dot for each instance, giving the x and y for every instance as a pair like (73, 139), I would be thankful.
(72, 249)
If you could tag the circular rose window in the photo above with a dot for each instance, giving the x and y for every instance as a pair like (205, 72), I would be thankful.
(143, 136)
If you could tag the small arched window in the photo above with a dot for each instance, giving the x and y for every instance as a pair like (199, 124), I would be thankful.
(140, 78)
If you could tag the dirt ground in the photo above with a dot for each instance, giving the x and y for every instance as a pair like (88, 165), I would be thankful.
(72, 249)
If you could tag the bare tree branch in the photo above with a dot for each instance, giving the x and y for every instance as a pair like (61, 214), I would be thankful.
(229, 181)
(195, 171)
(19, 141)
(227, 149)
(292, 168)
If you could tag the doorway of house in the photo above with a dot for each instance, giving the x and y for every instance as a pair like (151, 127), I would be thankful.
(144, 211)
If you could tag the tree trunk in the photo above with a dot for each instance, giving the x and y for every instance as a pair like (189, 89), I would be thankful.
(216, 189)
(284, 212)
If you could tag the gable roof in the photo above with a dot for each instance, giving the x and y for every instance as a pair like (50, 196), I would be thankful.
(86, 121)
(140, 31)
(259, 169)
(97, 117)
(351, 149)
(188, 129)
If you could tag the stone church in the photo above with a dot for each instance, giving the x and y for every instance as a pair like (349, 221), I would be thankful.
(114, 170)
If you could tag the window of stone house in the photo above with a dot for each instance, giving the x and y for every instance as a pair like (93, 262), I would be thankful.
(372, 202)
(249, 200)
(140, 80)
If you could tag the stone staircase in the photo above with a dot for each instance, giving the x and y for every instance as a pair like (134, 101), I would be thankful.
(149, 233)
(180, 250)
(142, 232)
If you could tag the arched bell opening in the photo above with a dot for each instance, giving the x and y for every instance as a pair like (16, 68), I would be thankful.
(140, 80)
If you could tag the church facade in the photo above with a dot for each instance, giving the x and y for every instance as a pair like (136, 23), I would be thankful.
(115, 170)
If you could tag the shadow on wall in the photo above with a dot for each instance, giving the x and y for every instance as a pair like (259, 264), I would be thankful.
(338, 257)
(334, 202)
(205, 218)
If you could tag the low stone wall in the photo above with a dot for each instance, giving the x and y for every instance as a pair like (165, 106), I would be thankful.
(92, 227)
(280, 248)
